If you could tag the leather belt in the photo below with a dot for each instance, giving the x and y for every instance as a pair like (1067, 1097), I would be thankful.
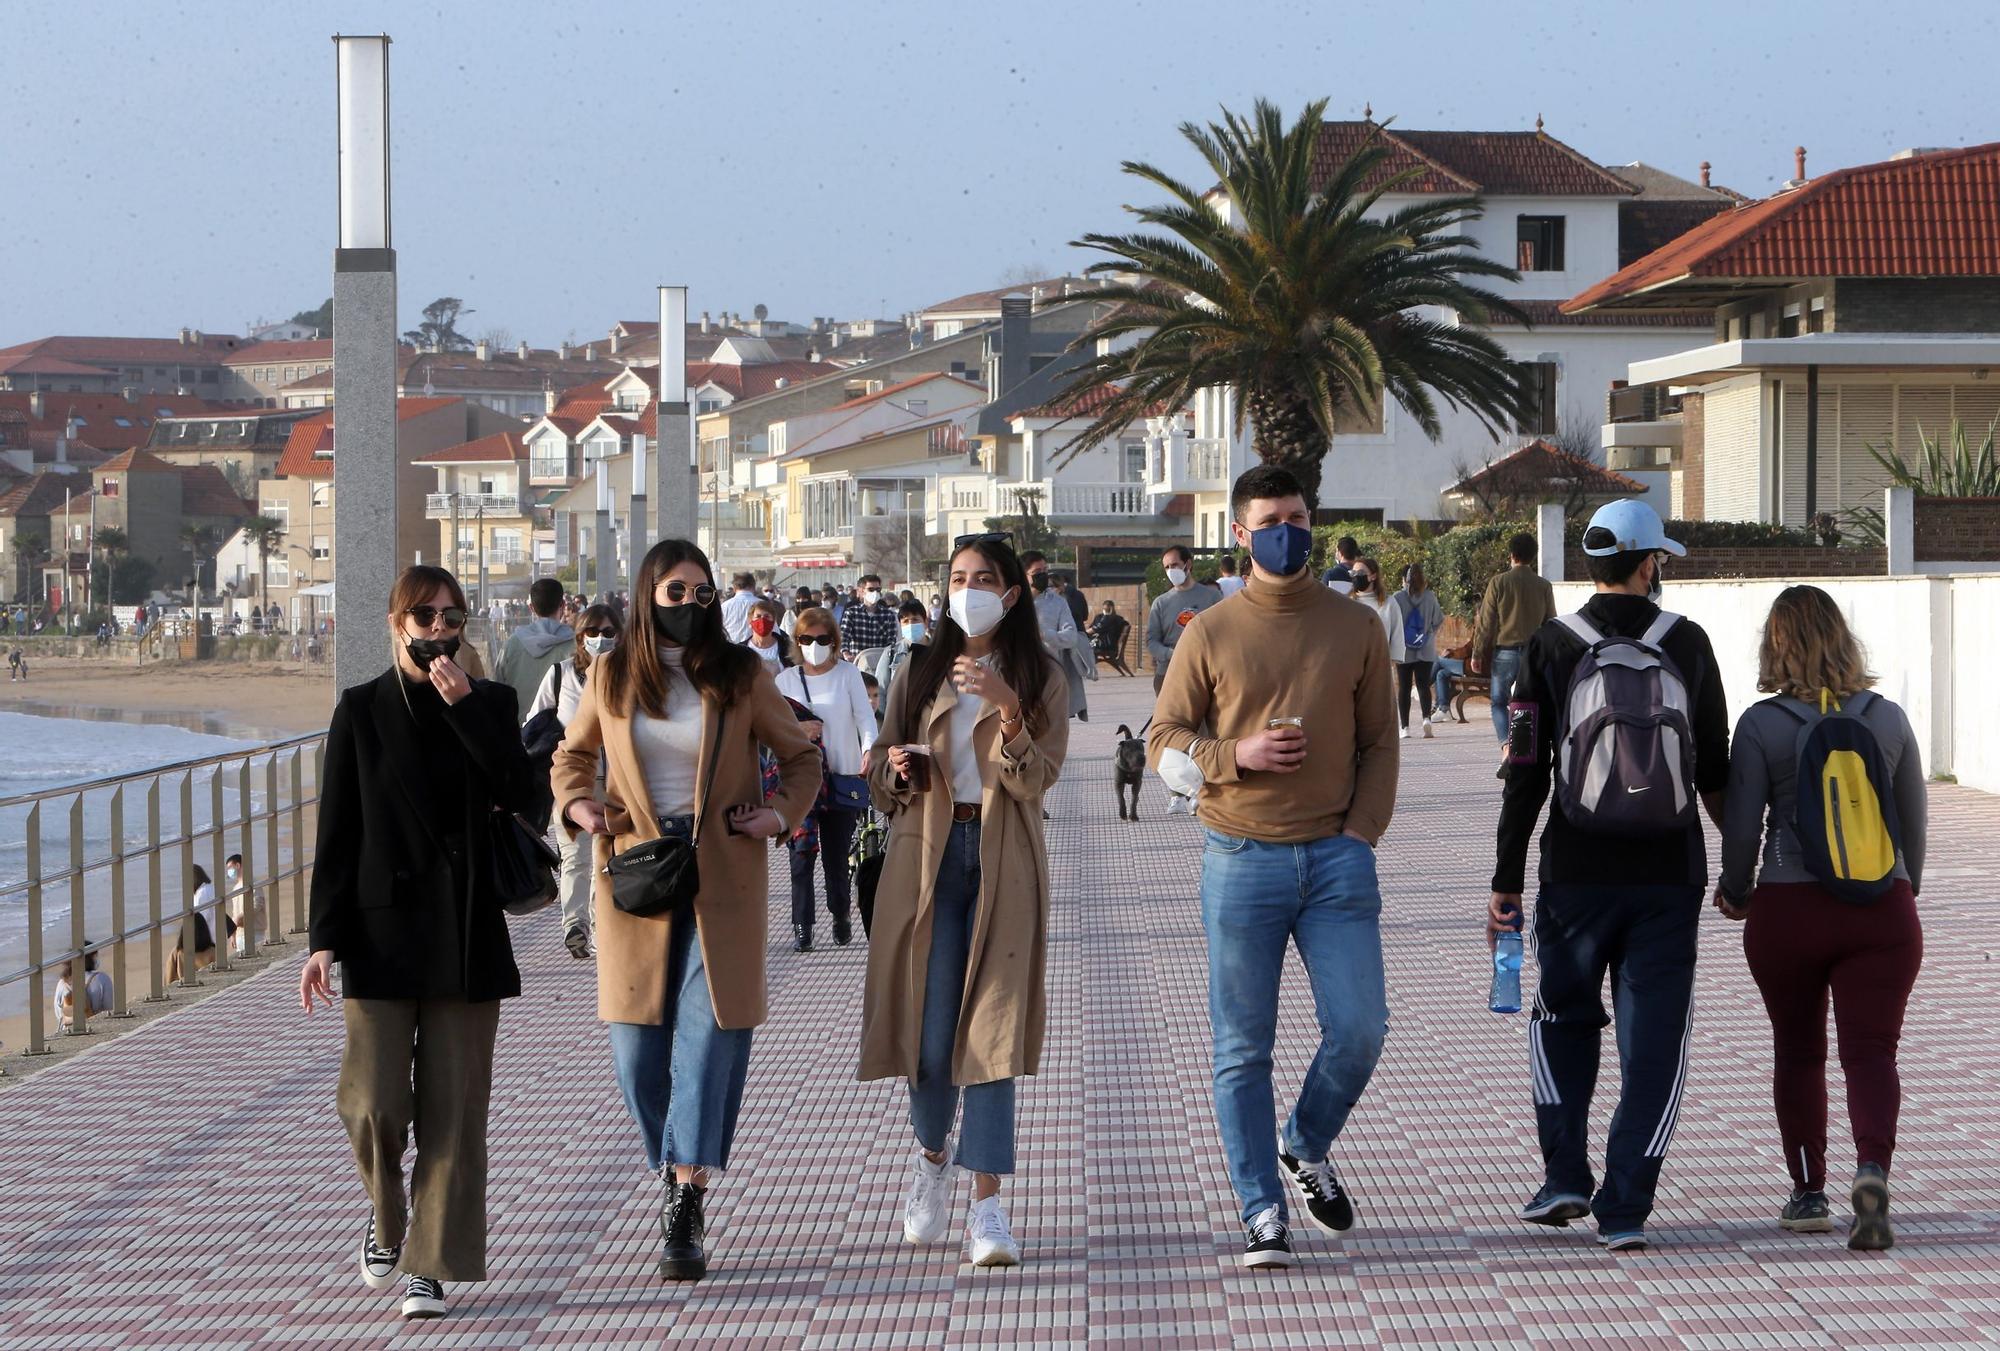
(964, 811)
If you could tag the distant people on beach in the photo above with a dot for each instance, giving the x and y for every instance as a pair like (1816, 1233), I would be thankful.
(17, 666)
(204, 934)
(96, 985)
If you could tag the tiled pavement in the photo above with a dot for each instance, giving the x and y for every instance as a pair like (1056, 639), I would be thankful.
(187, 1185)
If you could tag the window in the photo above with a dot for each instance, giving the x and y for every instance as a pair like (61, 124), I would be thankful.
(322, 546)
(707, 406)
(1538, 243)
(279, 511)
(1541, 398)
(281, 570)
(1133, 466)
(122, 421)
(918, 407)
(109, 487)
(211, 376)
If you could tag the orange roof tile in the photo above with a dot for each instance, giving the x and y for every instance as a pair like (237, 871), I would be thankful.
(135, 459)
(1514, 163)
(498, 448)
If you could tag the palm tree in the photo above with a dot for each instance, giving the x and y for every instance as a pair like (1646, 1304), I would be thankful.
(200, 540)
(29, 550)
(1305, 305)
(268, 534)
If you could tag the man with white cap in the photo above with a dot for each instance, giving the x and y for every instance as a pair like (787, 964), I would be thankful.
(1621, 704)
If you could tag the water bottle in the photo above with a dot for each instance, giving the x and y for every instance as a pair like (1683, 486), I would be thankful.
(1505, 996)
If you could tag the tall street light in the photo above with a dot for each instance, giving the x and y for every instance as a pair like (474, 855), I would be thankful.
(364, 361)
(677, 490)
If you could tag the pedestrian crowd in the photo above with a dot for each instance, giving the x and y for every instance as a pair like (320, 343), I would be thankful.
(900, 748)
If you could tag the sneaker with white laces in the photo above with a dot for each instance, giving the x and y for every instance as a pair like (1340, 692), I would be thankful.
(423, 1298)
(1327, 1206)
(1267, 1242)
(989, 1242)
(927, 1209)
(379, 1262)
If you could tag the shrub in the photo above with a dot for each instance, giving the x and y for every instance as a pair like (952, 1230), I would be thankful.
(1204, 569)
(1392, 548)
(1715, 534)
(1463, 559)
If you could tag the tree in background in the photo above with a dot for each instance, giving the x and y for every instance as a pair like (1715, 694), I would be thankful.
(439, 330)
(268, 534)
(199, 541)
(1308, 307)
(30, 549)
(321, 318)
(1030, 528)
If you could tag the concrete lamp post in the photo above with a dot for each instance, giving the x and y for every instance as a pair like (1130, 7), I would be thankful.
(677, 491)
(364, 362)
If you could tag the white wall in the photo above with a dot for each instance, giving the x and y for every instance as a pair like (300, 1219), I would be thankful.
(1930, 641)
(1590, 243)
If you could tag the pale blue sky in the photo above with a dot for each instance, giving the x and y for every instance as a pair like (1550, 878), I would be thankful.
(170, 164)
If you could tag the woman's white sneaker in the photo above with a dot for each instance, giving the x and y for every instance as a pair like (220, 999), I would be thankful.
(989, 1241)
(379, 1264)
(423, 1298)
(927, 1209)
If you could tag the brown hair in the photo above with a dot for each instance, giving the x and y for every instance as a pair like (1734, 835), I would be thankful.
(416, 586)
(634, 675)
(819, 616)
(1808, 648)
(596, 616)
(1376, 586)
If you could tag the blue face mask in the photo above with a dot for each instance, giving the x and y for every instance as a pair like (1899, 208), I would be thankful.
(1281, 549)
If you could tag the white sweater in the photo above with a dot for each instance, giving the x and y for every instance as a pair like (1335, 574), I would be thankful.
(840, 701)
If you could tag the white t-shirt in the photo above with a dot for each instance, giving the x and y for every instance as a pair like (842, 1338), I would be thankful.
(736, 615)
(840, 701)
(670, 748)
(1228, 586)
(770, 656)
(96, 984)
(967, 783)
(561, 689)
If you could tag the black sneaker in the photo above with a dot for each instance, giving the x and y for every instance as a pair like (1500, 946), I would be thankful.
(423, 1298)
(683, 1259)
(1267, 1243)
(577, 939)
(1319, 1187)
(1806, 1213)
(1870, 1198)
(1555, 1207)
(379, 1263)
(802, 938)
(843, 931)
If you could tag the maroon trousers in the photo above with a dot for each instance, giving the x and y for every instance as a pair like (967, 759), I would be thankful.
(1803, 945)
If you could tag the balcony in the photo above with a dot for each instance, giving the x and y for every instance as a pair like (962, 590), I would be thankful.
(1641, 403)
(1641, 418)
(1187, 464)
(1058, 500)
(497, 558)
(437, 506)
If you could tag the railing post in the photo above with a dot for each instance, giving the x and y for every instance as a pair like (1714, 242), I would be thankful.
(79, 936)
(119, 965)
(298, 832)
(156, 954)
(246, 817)
(36, 1031)
(270, 893)
(219, 875)
(188, 977)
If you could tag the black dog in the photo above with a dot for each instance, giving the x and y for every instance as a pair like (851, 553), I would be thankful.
(1128, 770)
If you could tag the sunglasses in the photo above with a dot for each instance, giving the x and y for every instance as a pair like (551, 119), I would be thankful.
(1005, 537)
(602, 632)
(427, 615)
(676, 592)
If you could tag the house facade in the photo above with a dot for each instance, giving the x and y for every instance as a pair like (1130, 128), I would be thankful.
(484, 513)
(1859, 309)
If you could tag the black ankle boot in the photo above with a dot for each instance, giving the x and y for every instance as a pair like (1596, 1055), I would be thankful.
(681, 1224)
(803, 936)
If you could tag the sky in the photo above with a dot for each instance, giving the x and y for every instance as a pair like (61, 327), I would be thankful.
(170, 165)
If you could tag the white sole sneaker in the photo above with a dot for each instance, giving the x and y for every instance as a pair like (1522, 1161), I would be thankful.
(372, 1274)
(996, 1246)
(995, 1255)
(418, 1307)
(932, 1224)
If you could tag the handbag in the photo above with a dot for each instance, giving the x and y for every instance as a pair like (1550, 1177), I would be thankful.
(524, 867)
(654, 876)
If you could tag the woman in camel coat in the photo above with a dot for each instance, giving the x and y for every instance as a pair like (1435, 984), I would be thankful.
(955, 999)
(679, 712)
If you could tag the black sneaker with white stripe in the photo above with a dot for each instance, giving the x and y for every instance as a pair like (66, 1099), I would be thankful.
(379, 1263)
(423, 1298)
(1267, 1243)
(1318, 1186)
(1555, 1206)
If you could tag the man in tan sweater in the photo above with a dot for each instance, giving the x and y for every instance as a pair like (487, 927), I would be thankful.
(1284, 699)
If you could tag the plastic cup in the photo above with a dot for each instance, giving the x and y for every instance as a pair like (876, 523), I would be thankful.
(920, 768)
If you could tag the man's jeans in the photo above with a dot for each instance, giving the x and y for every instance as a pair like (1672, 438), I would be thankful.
(1442, 670)
(1323, 896)
(1500, 685)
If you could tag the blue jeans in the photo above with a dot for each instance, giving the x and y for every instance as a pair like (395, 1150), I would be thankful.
(1441, 674)
(1323, 896)
(683, 1078)
(986, 1136)
(1500, 685)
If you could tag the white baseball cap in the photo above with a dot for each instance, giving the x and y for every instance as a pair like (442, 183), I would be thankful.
(1634, 526)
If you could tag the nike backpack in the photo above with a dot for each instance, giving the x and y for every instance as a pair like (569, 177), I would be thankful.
(1625, 756)
(1843, 811)
(1415, 631)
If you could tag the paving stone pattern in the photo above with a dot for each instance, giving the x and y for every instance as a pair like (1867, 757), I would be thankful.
(187, 1185)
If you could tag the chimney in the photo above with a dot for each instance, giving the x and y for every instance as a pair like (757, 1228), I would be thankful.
(548, 399)
(481, 351)
(562, 352)
(187, 337)
(834, 338)
(1799, 163)
(1014, 311)
(36, 404)
(614, 342)
(1704, 174)
(704, 321)
(590, 351)
(522, 351)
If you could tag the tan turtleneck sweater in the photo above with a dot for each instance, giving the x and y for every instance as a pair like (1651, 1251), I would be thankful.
(1290, 648)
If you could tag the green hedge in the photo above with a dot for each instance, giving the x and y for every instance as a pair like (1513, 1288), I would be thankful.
(1205, 570)
(1392, 548)
(1715, 534)
(1464, 559)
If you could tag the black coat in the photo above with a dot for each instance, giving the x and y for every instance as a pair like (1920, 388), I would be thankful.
(395, 868)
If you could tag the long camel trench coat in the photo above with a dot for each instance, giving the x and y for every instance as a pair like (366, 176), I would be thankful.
(729, 907)
(1004, 1007)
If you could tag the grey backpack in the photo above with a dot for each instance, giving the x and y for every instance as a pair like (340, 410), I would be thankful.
(1625, 753)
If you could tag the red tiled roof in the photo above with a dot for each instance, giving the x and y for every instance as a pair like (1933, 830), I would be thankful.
(1549, 314)
(1051, 289)
(1506, 163)
(205, 491)
(34, 363)
(499, 448)
(1930, 215)
(135, 459)
(748, 382)
(41, 494)
(308, 451)
(1540, 461)
(113, 351)
(295, 349)
(99, 413)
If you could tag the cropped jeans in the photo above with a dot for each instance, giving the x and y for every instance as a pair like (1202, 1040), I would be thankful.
(1500, 686)
(1321, 895)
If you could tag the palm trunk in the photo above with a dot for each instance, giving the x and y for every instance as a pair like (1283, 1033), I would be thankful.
(1285, 432)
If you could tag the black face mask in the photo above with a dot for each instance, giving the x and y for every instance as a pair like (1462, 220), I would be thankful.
(677, 622)
(1040, 581)
(424, 651)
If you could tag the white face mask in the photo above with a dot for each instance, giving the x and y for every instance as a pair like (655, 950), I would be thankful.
(1177, 576)
(815, 650)
(871, 595)
(976, 611)
(599, 645)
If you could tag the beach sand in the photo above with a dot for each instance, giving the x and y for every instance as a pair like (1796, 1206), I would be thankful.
(246, 700)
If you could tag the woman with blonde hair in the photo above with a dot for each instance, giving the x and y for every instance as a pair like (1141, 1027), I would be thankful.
(1821, 921)
(843, 719)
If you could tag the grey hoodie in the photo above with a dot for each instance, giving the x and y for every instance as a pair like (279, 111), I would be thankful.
(531, 651)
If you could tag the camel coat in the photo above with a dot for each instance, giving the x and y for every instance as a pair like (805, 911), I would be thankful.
(1002, 1011)
(729, 908)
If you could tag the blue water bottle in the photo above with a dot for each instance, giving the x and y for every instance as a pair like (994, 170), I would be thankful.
(1505, 996)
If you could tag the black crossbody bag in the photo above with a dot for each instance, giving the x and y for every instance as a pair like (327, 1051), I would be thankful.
(656, 875)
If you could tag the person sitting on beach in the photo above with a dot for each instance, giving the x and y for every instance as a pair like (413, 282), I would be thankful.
(204, 935)
(96, 985)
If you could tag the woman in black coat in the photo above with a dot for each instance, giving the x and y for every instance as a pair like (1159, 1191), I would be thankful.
(418, 761)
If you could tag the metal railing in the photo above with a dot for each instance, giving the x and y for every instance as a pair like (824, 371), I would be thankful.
(437, 506)
(1640, 403)
(113, 884)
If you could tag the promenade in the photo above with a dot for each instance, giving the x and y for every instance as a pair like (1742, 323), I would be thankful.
(187, 1185)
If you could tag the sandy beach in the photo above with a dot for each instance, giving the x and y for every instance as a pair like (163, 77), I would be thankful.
(242, 700)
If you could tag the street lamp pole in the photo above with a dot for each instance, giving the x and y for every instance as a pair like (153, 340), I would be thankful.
(635, 522)
(364, 359)
(677, 489)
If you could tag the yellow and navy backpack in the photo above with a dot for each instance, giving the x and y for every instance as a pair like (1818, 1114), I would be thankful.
(1844, 813)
